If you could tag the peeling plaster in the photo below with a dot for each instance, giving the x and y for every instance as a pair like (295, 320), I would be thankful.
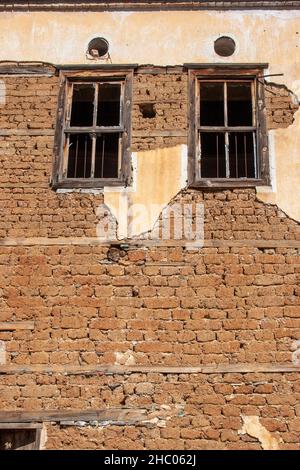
(44, 437)
(158, 175)
(254, 428)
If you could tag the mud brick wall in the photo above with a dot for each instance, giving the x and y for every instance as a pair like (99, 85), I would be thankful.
(166, 94)
(30, 102)
(281, 105)
(151, 306)
(225, 304)
(173, 411)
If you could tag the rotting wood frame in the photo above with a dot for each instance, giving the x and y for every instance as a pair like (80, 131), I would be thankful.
(123, 75)
(227, 72)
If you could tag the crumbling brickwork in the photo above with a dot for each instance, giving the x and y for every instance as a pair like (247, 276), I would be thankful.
(281, 105)
(232, 303)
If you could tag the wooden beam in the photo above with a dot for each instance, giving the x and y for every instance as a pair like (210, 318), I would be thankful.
(94, 241)
(160, 133)
(26, 68)
(26, 132)
(19, 325)
(117, 416)
(24, 185)
(241, 68)
(14, 425)
(67, 369)
(146, 5)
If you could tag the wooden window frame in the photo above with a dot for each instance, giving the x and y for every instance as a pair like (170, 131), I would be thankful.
(37, 427)
(67, 78)
(227, 73)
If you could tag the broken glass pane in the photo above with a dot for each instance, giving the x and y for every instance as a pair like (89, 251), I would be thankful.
(242, 155)
(212, 104)
(213, 155)
(82, 105)
(107, 156)
(80, 156)
(109, 96)
(239, 104)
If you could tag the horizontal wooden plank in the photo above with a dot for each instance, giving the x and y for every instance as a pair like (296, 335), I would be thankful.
(26, 68)
(243, 68)
(146, 5)
(94, 241)
(24, 185)
(76, 69)
(115, 416)
(123, 370)
(20, 425)
(26, 132)
(160, 133)
(18, 325)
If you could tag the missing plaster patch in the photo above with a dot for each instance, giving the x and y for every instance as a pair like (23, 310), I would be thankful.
(148, 110)
(253, 427)
(281, 105)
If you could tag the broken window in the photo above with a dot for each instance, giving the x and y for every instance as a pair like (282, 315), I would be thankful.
(94, 148)
(228, 139)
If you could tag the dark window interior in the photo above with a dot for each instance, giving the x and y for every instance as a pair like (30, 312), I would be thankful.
(82, 105)
(98, 146)
(212, 104)
(109, 104)
(239, 104)
(17, 439)
(213, 155)
(241, 155)
(106, 161)
(80, 156)
(234, 100)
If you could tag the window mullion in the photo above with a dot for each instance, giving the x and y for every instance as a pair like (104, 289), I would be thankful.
(226, 133)
(96, 85)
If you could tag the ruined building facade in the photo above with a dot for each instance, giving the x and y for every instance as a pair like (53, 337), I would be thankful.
(111, 113)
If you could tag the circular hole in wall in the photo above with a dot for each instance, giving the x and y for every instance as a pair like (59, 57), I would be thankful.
(98, 47)
(224, 46)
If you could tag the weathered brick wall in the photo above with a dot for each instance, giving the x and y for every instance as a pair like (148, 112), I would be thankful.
(232, 303)
(155, 305)
(167, 94)
(281, 105)
(183, 411)
(30, 102)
